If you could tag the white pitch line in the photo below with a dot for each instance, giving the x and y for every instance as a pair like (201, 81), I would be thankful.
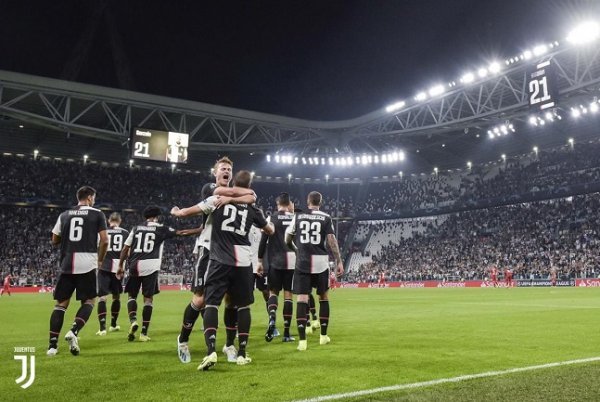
(399, 387)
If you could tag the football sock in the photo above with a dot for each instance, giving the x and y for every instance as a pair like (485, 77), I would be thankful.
(313, 309)
(83, 314)
(115, 308)
(272, 305)
(301, 314)
(132, 309)
(288, 308)
(230, 318)
(146, 317)
(102, 314)
(211, 322)
(324, 315)
(56, 322)
(244, 320)
(190, 315)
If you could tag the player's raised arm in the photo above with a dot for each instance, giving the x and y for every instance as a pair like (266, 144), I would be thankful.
(205, 207)
(190, 232)
(234, 195)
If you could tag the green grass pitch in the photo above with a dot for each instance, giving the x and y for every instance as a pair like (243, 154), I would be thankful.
(380, 337)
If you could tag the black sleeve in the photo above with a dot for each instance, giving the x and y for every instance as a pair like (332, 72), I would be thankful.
(262, 247)
(208, 190)
(169, 232)
(259, 218)
(329, 226)
(101, 222)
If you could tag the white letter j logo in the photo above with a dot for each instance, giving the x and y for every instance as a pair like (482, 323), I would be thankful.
(23, 359)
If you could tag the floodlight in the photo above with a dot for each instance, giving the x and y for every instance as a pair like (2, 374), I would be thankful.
(571, 141)
(535, 149)
(276, 158)
(527, 54)
(395, 106)
(482, 72)
(303, 160)
(540, 50)
(268, 158)
(575, 113)
(421, 96)
(469, 165)
(494, 67)
(467, 78)
(584, 33)
(593, 107)
(130, 162)
(436, 90)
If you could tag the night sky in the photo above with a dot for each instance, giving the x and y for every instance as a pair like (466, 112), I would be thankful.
(321, 60)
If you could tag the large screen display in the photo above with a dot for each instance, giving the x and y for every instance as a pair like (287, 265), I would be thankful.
(156, 145)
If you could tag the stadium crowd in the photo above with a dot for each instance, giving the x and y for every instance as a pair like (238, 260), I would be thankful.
(530, 239)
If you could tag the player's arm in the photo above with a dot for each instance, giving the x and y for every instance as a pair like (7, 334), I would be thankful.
(189, 232)
(262, 247)
(122, 258)
(102, 246)
(234, 195)
(205, 207)
(290, 233)
(124, 254)
(335, 249)
(56, 233)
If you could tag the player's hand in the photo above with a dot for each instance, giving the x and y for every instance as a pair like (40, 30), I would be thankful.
(119, 273)
(259, 269)
(175, 211)
(339, 270)
(222, 200)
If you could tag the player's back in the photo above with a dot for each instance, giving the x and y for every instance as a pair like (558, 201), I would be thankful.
(278, 254)
(146, 247)
(116, 240)
(231, 224)
(311, 229)
(78, 229)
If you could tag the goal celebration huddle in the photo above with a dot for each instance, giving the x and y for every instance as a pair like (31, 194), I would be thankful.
(235, 243)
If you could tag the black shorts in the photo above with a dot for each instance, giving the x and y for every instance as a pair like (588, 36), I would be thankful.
(85, 285)
(261, 282)
(108, 284)
(281, 279)
(148, 283)
(303, 283)
(238, 282)
(199, 271)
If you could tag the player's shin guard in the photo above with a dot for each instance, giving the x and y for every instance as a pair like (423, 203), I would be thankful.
(288, 308)
(324, 315)
(313, 309)
(301, 313)
(102, 314)
(230, 317)
(272, 305)
(211, 322)
(115, 308)
(146, 317)
(132, 309)
(56, 322)
(190, 315)
(244, 320)
(83, 314)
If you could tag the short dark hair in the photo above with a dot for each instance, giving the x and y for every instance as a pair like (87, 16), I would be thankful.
(243, 179)
(283, 199)
(152, 211)
(298, 210)
(115, 217)
(85, 192)
(315, 198)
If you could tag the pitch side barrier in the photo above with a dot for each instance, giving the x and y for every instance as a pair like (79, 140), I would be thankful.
(590, 283)
(471, 284)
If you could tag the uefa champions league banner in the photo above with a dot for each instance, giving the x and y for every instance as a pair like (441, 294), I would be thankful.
(543, 282)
